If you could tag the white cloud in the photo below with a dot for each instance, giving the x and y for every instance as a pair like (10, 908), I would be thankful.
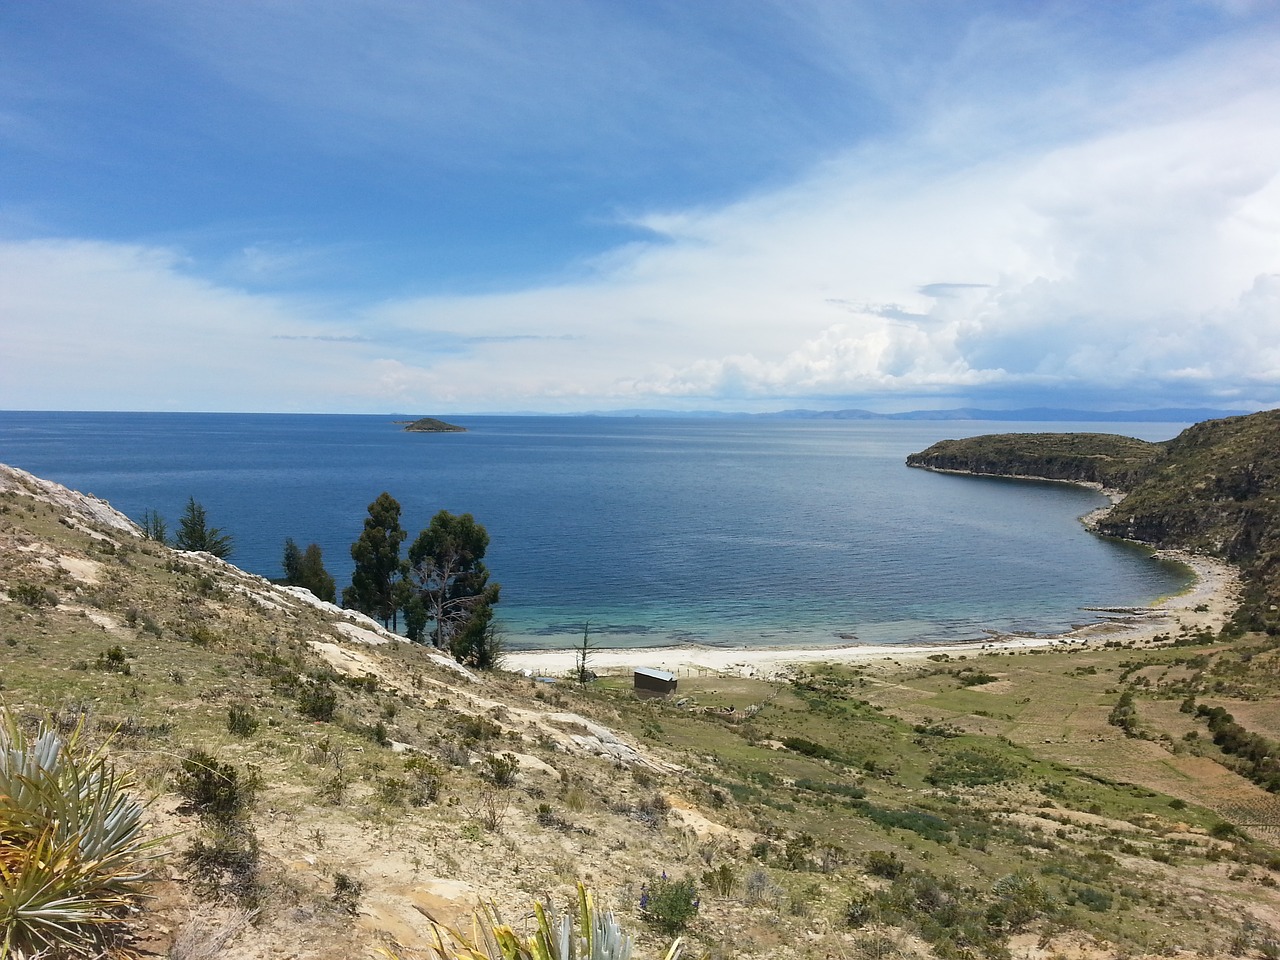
(96, 325)
(1118, 249)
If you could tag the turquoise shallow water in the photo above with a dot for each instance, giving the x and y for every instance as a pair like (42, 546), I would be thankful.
(721, 532)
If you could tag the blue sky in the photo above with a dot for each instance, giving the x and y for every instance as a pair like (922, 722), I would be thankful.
(431, 207)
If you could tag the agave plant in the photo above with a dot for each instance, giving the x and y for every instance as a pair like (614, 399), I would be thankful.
(72, 853)
(597, 935)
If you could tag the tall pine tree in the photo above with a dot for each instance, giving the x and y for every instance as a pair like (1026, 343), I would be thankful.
(194, 532)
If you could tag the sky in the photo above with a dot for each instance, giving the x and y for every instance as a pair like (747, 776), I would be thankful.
(475, 206)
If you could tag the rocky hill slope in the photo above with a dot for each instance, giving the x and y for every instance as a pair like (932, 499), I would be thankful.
(1105, 459)
(1215, 488)
(318, 787)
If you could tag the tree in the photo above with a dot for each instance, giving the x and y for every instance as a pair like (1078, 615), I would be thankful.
(582, 657)
(376, 553)
(478, 644)
(313, 575)
(446, 562)
(306, 569)
(154, 527)
(292, 562)
(194, 533)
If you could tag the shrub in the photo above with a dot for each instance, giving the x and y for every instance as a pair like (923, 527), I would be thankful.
(862, 910)
(810, 749)
(971, 767)
(501, 770)
(669, 904)
(759, 889)
(213, 789)
(1125, 714)
(884, 864)
(318, 700)
(33, 596)
(1096, 900)
(721, 881)
(848, 791)
(72, 857)
(347, 892)
(114, 660)
(226, 861)
(425, 779)
(241, 720)
(476, 729)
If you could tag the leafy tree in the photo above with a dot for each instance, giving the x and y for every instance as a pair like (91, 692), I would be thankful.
(446, 562)
(478, 644)
(154, 527)
(194, 532)
(292, 562)
(374, 586)
(315, 577)
(306, 569)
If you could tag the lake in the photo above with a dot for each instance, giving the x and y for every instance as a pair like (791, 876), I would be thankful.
(654, 531)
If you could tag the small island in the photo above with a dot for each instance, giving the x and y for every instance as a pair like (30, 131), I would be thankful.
(431, 425)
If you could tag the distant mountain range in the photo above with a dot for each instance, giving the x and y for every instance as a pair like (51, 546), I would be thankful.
(1031, 414)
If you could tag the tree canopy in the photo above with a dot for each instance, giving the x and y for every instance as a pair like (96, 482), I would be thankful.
(194, 532)
(306, 569)
(378, 570)
(452, 589)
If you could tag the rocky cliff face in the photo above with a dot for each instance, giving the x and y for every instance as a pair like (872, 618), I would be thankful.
(1214, 488)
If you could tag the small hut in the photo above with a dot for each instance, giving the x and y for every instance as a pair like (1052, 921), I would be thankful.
(654, 683)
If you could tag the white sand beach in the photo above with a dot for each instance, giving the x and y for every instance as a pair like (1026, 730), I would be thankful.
(1207, 604)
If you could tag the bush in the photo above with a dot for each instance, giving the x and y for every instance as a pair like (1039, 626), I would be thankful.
(225, 861)
(72, 856)
(501, 770)
(721, 881)
(884, 864)
(669, 904)
(347, 892)
(425, 779)
(862, 910)
(33, 596)
(808, 748)
(241, 721)
(759, 889)
(114, 660)
(317, 700)
(974, 678)
(971, 767)
(213, 789)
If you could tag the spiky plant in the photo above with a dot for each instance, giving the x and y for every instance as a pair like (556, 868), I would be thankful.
(597, 935)
(72, 853)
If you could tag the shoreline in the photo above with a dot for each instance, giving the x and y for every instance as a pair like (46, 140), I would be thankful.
(1206, 604)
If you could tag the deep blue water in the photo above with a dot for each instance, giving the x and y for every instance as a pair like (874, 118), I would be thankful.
(655, 531)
